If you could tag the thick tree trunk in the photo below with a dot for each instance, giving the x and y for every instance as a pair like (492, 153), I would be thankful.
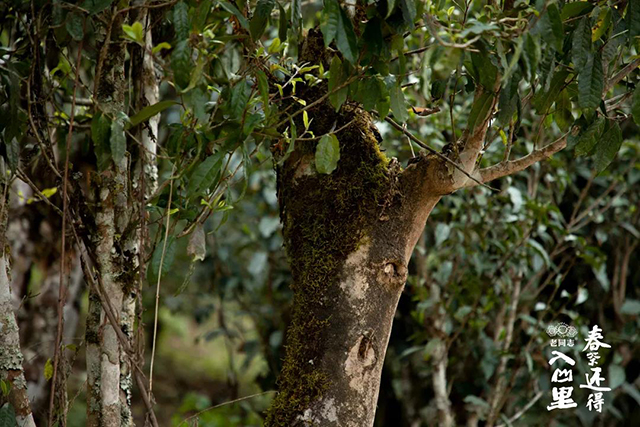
(349, 236)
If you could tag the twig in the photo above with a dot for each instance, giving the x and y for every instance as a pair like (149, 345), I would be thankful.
(433, 151)
(524, 409)
(510, 167)
(432, 26)
(197, 414)
(61, 286)
(155, 318)
(621, 75)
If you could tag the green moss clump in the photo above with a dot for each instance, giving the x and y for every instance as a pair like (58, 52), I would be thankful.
(325, 218)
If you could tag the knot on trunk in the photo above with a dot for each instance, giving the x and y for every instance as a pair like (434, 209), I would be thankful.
(393, 273)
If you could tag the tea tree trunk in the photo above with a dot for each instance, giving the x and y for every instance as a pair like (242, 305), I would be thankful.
(349, 236)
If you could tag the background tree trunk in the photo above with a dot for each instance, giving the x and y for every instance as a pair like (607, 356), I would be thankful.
(11, 358)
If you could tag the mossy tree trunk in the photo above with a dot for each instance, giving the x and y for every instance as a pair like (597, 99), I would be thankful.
(349, 236)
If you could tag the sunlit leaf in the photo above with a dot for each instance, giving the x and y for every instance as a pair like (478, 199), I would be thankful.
(327, 154)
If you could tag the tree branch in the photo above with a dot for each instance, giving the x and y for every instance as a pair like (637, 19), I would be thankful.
(621, 75)
(510, 167)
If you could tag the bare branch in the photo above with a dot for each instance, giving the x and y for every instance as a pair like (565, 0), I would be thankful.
(621, 75)
(413, 138)
(509, 168)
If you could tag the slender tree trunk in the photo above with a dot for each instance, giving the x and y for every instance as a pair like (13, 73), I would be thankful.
(109, 369)
(11, 359)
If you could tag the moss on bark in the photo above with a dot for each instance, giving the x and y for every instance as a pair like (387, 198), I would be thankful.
(325, 218)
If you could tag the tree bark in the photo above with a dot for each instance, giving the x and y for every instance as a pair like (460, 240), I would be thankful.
(349, 236)
(11, 358)
(109, 368)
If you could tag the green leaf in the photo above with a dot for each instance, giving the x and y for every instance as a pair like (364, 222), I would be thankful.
(337, 78)
(603, 24)
(159, 47)
(181, 63)
(398, 105)
(13, 153)
(74, 26)
(100, 131)
(118, 141)
(48, 370)
(409, 12)
(484, 70)
(569, 10)
(283, 23)
(556, 25)
(196, 101)
(5, 387)
(633, 18)
(49, 192)
(581, 47)
(562, 114)
(100, 128)
(234, 11)
(370, 93)
(591, 83)
(616, 376)
(327, 154)
(181, 24)
(631, 307)
(296, 16)
(205, 175)
(169, 256)
(346, 39)
(263, 87)
(480, 109)
(134, 32)
(337, 25)
(542, 101)
(608, 146)
(391, 5)
(635, 105)
(8, 416)
(260, 18)
(239, 97)
(330, 20)
(589, 138)
(508, 101)
(384, 101)
(96, 6)
(149, 111)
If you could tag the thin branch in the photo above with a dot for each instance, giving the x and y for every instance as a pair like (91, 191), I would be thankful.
(432, 26)
(155, 318)
(621, 75)
(197, 414)
(61, 286)
(524, 409)
(433, 151)
(509, 168)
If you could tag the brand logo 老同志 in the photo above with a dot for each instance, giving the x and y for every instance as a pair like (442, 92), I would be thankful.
(562, 334)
